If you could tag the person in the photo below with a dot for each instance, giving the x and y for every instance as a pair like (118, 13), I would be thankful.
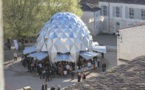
(102, 54)
(68, 68)
(98, 63)
(50, 74)
(8, 44)
(72, 75)
(15, 56)
(89, 64)
(104, 67)
(79, 77)
(44, 74)
(32, 66)
(44, 86)
(79, 64)
(83, 75)
(40, 73)
(58, 87)
(65, 73)
(23, 61)
(47, 74)
(52, 88)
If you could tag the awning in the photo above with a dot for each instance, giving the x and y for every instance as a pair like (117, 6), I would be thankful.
(88, 55)
(39, 55)
(29, 50)
(101, 49)
(63, 57)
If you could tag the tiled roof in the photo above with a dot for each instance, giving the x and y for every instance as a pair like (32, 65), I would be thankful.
(88, 7)
(89, 1)
(126, 1)
(130, 76)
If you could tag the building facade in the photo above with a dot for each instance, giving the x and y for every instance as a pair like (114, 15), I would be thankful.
(121, 14)
(90, 16)
(92, 23)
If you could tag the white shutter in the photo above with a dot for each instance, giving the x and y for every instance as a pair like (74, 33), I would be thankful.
(101, 10)
(120, 11)
(139, 13)
(126, 12)
(114, 11)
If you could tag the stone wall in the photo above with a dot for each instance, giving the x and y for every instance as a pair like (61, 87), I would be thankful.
(130, 76)
(131, 43)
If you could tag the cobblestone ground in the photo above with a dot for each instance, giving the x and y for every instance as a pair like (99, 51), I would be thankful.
(130, 76)
(106, 39)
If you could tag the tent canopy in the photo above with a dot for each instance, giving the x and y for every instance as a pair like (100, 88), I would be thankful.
(88, 55)
(38, 55)
(29, 50)
(63, 57)
(101, 49)
(95, 44)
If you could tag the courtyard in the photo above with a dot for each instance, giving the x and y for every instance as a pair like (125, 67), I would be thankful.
(17, 77)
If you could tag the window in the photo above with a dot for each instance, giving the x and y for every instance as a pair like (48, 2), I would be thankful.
(105, 10)
(117, 12)
(143, 13)
(131, 12)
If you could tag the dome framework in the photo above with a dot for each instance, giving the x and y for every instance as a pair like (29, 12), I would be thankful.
(64, 38)
(64, 33)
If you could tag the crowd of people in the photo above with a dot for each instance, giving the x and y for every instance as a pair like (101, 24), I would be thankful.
(47, 70)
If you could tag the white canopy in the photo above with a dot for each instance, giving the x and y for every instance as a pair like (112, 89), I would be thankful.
(101, 49)
(38, 55)
(95, 44)
(63, 57)
(88, 55)
(29, 50)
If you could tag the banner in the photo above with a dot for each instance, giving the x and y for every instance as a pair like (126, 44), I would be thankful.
(16, 44)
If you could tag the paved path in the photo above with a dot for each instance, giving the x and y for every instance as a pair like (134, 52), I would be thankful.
(106, 39)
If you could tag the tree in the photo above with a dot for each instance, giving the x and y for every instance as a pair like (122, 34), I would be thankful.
(23, 18)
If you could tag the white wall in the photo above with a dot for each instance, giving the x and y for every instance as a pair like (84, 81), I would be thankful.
(124, 20)
(87, 15)
(132, 44)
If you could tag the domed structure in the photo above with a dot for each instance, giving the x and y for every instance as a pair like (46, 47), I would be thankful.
(64, 33)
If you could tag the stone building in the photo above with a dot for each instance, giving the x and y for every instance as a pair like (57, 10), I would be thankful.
(121, 13)
(91, 14)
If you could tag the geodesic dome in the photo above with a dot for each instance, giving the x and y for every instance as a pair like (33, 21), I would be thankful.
(64, 33)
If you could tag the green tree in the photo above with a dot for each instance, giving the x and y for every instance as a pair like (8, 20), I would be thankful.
(23, 18)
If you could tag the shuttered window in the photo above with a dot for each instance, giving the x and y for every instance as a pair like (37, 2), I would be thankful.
(143, 14)
(104, 10)
(131, 13)
(117, 12)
